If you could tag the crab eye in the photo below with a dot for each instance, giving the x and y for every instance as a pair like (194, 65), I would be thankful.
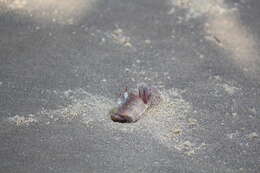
(119, 101)
(123, 98)
(125, 95)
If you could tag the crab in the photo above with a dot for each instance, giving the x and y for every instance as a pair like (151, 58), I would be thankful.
(133, 105)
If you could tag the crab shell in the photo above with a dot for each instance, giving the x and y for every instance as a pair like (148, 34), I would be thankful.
(135, 106)
(131, 110)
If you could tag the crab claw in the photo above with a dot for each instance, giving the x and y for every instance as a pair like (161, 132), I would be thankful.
(121, 119)
(118, 118)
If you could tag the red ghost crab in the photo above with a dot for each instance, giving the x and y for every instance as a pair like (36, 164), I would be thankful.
(132, 105)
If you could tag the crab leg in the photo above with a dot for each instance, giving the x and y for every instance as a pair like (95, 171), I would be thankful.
(144, 93)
